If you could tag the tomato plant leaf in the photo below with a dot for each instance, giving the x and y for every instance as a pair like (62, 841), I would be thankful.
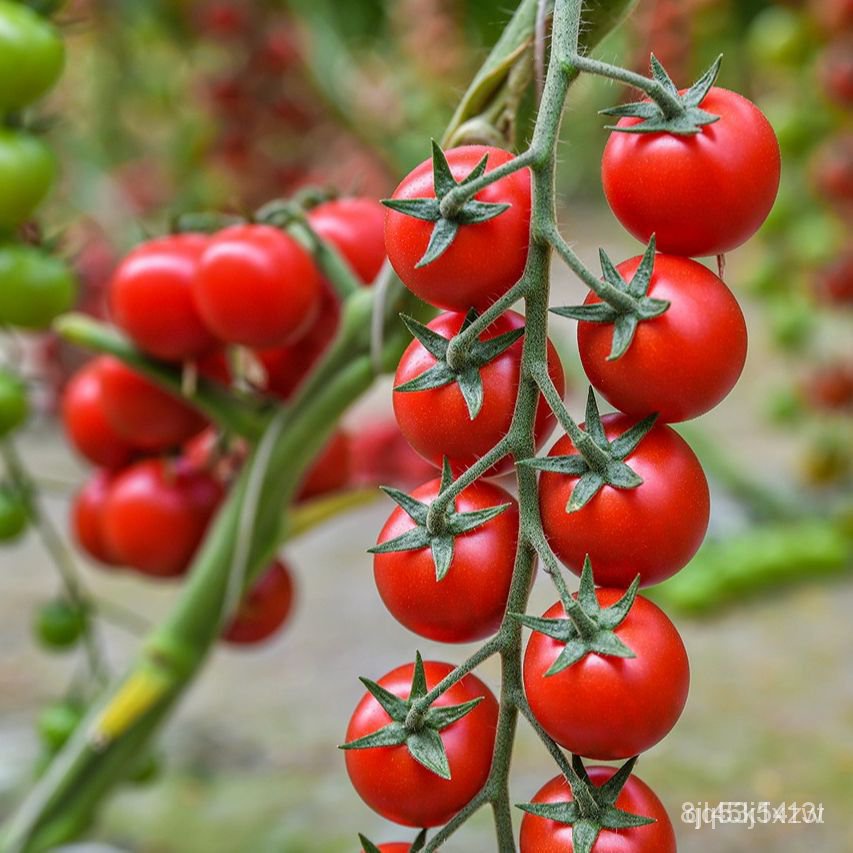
(419, 687)
(640, 281)
(480, 211)
(471, 386)
(367, 845)
(593, 426)
(613, 616)
(625, 444)
(416, 510)
(621, 476)
(694, 96)
(584, 491)
(566, 812)
(419, 843)
(436, 376)
(559, 629)
(610, 790)
(411, 540)
(434, 343)
(394, 706)
(426, 209)
(394, 734)
(442, 176)
(482, 352)
(660, 74)
(442, 236)
(462, 522)
(427, 748)
(442, 555)
(574, 464)
(597, 312)
(440, 718)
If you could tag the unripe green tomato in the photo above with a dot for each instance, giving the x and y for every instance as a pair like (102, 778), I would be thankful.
(147, 770)
(35, 287)
(13, 514)
(57, 722)
(27, 169)
(59, 624)
(13, 402)
(31, 56)
(778, 36)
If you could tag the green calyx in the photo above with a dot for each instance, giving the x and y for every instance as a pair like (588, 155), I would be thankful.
(436, 531)
(593, 808)
(465, 370)
(421, 737)
(598, 462)
(588, 628)
(418, 844)
(447, 223)
(674, 112)
(625, 304)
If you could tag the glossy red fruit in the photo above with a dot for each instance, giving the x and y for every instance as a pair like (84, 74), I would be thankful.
(382, 456)
(331, 469)
(652, 530)
(680, 364)
(151, 298)
(86, 423)
(142, 413)
(265, 609)
(396, 786)
(356, 228)
(607, 707)
(703, 194)
(541, 835)
(87, 510)
(256, 286)
(436, 421)
(468, 603)
(486, 258)
(156, 515)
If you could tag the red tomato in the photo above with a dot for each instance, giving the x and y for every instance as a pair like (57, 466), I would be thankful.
(486, 258)
(541, 835)
(156, 515)
(330, 471)
(151, 298)
(356, 228)
(265, 608)
(835, 71)
(652, 530)
(680, 364)
(382, 456)
(141, 412)
(396, 786)
(452, 433)
(607, 707)
(832, 170)
(257, 286)
(87, 511)
(86, 423)
(704, 194)
(468, 603)
(833, 284)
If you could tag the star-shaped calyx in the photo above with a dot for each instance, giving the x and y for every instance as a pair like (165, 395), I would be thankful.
(465, 371)
(593, 808)
(587, 628)
(422, 737)
(436, 531)
(429, 209)
(625, 304)
(663, 117)
(417, 845)
(599, 462)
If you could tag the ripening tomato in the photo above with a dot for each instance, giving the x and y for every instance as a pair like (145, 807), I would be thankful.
(156, 514)
(27, 169)
(86, 423)
(468, 603)
(680, 364)
(14, 513)
(35, 287)
(151, 298)
(31, 56)
(142, 413)
(396, 786)
(608, 707)
(356, 228)
(652, 530)
(541, 835)
(330, 471)
(87, 511)
(703, 194)
(256, 286)
(486, 258)
(265, 608)
(436, 421)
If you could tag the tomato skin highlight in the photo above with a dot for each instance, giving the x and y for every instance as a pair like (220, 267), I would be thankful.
(469, 602)
(485, 259)
(604, 707)
(151, 298)
(540, 835)
(87, 510)
(142, 413)
(265, 608)
(700, 195)
(652, 530)
(680, 364)
(356, 228)
(156, 514)
(86, 424)
(256, 286)
(396, 786)
(436, 421)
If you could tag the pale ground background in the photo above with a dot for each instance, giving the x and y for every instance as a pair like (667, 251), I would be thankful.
(252, 764)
